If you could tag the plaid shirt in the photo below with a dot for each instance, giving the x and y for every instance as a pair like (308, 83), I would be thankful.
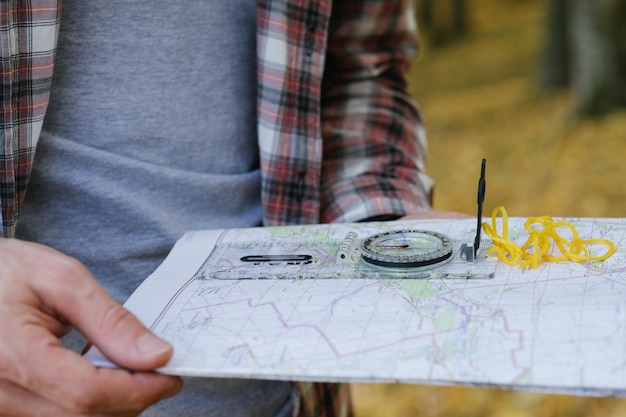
(339, 138)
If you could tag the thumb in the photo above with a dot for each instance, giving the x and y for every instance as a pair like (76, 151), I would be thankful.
(122, 339)
(116, 332)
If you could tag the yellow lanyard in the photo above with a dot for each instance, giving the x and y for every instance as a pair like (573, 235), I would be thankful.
(542, 231)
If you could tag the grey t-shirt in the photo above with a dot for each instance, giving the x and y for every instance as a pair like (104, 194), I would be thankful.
(151, 131)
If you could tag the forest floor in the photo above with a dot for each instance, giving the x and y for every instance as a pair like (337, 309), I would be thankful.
(480, 99)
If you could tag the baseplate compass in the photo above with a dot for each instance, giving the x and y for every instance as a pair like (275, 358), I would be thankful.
(437, 249)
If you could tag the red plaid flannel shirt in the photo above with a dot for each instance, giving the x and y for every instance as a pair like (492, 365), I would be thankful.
(339, 137)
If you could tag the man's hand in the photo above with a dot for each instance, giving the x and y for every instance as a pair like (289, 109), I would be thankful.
(42, 294)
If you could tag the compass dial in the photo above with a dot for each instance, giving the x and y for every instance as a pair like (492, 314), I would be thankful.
(407, 248)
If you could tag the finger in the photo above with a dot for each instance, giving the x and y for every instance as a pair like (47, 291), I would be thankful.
(68, 379)
(62, 288)
(43, 292)
(73, 293)
(18, 401)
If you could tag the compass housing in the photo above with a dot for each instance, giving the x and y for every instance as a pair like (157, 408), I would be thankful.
(407, 248)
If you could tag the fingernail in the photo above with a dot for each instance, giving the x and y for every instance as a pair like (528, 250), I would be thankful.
(150, 345)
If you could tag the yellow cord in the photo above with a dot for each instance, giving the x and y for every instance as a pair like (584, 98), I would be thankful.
(542, 230)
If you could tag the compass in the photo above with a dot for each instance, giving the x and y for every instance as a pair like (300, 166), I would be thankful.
(407, 248)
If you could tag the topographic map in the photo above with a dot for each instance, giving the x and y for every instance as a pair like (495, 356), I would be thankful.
(328, 316)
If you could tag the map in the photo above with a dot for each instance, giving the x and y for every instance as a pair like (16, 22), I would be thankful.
(315, 311)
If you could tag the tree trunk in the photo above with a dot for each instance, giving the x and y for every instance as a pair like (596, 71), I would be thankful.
(594, 67)
(443, 21)
(555, 71)
(426, 14)
(460, 17)
(586, 50)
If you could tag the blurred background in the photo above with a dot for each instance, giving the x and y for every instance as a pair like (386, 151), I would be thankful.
(538, 88)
